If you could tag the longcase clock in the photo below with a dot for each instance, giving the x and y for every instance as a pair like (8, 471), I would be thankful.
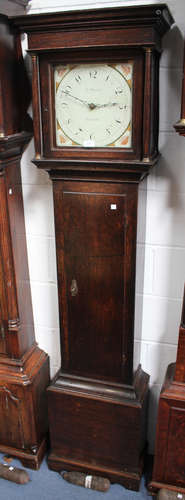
(95, 102)
(169, 463)
(24, 368)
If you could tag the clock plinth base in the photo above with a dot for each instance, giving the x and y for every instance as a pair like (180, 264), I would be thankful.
(128, 479)
(23, 406)
(169, 463)
(31, 460)
(99, 433)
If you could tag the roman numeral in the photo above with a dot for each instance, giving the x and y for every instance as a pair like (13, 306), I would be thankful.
(78, 78)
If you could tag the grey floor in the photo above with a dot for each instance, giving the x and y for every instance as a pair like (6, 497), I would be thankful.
(48, 485)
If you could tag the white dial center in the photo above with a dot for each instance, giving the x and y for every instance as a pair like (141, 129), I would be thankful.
(93, 104)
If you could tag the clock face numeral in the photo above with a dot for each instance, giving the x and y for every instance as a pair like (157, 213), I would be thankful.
(118, 91)
(67, 89)
(78, 78)
(93, 74)
(93, 105)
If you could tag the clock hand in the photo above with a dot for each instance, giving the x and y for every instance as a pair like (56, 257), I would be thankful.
(107, 104)
(91, 105)
(74, 97)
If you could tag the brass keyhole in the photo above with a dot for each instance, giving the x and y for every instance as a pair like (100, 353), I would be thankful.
(74, 288)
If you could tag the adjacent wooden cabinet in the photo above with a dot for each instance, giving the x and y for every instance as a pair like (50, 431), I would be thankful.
(95, 101)
(24, 370)
(169, 463)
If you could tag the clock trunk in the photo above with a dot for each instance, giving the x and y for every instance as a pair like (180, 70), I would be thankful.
(96, 247)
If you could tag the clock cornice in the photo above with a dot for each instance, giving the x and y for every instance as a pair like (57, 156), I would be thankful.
(156, 16)
(85, 36)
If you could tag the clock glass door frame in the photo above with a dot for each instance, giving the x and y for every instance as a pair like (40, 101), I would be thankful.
(49, 62)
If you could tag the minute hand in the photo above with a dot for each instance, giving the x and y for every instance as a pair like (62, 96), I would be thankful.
(74, 97)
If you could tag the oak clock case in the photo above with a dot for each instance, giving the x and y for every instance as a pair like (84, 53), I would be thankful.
(24, 370)
(169, 463)
(102, 66)
(91, 108)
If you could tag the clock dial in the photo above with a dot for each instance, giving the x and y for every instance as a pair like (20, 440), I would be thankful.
(93, 105)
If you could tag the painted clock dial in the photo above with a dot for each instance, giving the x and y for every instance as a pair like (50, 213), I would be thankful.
(93, 105)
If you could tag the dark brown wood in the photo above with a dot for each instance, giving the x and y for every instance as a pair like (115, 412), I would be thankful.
(151, 105)
(155, 16)
(97, 406)
(169, 464)
(24, 370)
(180, 125)
(36, 107)
(53, 37)
(102, 432)
(101, 260)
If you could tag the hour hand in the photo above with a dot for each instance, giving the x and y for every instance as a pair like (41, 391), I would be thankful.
(106, 104)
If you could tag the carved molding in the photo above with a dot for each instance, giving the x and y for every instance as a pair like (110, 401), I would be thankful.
(13, 325)
(11, 417)
(7, 394)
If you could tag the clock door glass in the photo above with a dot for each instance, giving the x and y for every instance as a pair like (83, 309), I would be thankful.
(93, 105)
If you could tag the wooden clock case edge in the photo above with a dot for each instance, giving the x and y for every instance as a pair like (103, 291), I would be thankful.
(24, 368)
(83, 392)
(126, 401)
(69, 394)
(168, 471)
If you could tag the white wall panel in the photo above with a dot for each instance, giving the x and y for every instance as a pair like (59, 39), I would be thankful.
(12, 7)
(169, 173)
(48, 339)
(45, 304)
(165, 218)
(170, 102)
(158, 356)
(38, 209)
(41, 255)
(161, 319)
(30, 173)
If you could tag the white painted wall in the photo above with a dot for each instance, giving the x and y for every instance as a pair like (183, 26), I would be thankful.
(158, 306)
(11, 7)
